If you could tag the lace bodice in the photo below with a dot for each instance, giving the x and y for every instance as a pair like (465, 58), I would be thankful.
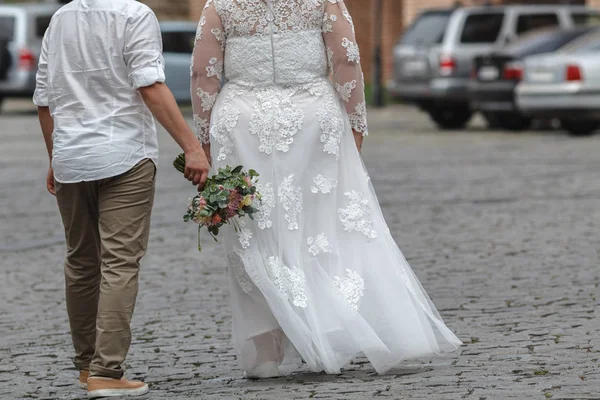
(258, 43)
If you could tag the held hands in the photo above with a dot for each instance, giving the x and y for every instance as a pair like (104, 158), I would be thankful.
(196, 167)
(358, 138)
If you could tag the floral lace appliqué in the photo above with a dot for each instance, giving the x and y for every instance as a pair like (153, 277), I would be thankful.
(222, 129)
(276, 119)
(358, 119)
(200, 27)
(289, 280)
(267, 203)
(215, 68)
(244, 233)
(328, 21)
(202, 129)
(323, 185)
(356, 216)
(330, 55)
(239, 271)
(350, 288)
(348, 17)
(352, 51)
(220, 36)
(319, 244)
(290, 197)
(345, 90)
(207, 100)
(332, 125)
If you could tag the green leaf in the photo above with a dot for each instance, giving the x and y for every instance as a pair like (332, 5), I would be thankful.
(237, 169)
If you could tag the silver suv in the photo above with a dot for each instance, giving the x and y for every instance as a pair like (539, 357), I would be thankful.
(22, 27)
(433, 60)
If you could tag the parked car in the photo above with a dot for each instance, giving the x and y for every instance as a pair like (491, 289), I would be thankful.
(565, 85)
(495, 76)
(433, 59)
(178, 45)
(22, 27)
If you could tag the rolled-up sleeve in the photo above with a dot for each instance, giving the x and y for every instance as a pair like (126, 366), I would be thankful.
(41, 95)
(143, 51)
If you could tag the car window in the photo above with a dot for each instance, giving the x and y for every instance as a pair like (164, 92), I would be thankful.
(585, 44)
(581, 18)
(482, 28)
(181, 42)
(543, 42)
(41, 24)
(7, 28)
(530, 22)
(428, 29)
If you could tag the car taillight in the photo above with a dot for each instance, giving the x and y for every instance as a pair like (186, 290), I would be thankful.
(26, 60)
(513, 72)
(573, 73)
(447, 65)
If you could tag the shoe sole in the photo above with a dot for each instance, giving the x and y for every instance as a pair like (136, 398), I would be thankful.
(118, 392)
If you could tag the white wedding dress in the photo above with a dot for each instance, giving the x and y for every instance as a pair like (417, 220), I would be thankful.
(317, 277)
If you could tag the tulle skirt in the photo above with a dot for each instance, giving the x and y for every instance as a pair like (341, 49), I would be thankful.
(317, 276)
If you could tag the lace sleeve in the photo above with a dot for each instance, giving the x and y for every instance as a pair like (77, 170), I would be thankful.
(344, 62)
(207, 69)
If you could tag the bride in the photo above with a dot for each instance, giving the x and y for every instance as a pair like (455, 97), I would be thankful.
(317, 277)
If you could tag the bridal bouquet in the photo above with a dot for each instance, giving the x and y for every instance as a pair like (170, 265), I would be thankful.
(229, 194)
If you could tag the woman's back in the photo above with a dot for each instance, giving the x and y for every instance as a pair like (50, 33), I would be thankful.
(273, 41)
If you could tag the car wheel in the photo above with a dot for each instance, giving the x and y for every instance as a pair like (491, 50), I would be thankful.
(515, 122)
(492, 119)
(451, 117)
(580, 127)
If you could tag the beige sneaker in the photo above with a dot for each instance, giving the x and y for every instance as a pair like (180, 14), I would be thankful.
(110, 387)
(83, 378)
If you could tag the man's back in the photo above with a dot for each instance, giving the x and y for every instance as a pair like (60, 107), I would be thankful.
(95, 56)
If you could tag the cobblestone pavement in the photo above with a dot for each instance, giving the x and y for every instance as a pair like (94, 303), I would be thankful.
(502, 230)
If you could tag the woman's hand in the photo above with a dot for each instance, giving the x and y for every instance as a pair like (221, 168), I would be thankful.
(206, 148)
(358, 139)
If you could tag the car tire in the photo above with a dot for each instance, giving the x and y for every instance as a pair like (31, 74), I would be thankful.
(451, 117)
(492, 119)
(583, 127)
(515, 122)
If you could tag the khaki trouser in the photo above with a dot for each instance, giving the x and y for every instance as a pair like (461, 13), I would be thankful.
(107, 224)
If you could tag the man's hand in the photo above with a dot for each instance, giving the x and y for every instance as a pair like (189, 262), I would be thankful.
(161, 102)
(358, 139)
(196, 167)
(50, 182)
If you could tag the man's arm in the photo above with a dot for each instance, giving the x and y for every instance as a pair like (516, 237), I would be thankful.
(47, 124)
(143, 57)
(163, 106)
(40, 98)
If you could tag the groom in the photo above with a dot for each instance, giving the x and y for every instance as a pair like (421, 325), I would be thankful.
(100, 82)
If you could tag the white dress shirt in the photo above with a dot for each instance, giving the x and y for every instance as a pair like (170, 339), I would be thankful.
(95, 55)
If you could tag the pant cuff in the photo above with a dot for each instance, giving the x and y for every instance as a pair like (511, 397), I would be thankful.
(82, 365)
(97, 370)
